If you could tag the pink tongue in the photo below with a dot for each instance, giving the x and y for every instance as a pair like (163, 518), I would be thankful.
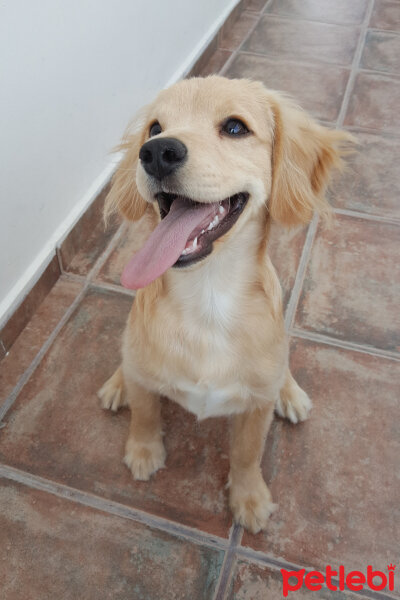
(165, 244)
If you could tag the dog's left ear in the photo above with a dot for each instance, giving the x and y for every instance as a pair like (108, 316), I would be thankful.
(123, 196)
(304, 156)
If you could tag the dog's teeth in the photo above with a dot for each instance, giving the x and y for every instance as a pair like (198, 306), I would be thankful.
(185, 251)
(195, 242)
(221, 209)
(203, 231)
(213, 223)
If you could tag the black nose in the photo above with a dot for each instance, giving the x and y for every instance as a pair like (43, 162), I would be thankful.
(161, 157)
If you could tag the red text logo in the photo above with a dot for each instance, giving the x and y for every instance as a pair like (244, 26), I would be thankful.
(338, 580)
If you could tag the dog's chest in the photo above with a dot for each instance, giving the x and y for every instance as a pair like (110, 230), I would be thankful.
(201, 365)
(209, 387)
(209, 304)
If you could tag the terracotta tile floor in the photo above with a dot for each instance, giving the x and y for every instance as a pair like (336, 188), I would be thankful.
(73, 524)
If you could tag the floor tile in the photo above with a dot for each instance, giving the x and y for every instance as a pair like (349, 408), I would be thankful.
(285, 246)
(386, 15)
(35, 334)
(88, 239)
(334, 476)
(370, 184)
(233, 36)
(215, 63)
(255, 582)
(29, 304)
(382, 52)
(318, 88)
(287, 39)
(374, 103)
(352, 283)
(52, 548)
(57, 430)
(341, 11)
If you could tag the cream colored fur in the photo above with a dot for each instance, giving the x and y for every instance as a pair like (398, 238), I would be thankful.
(211, 337)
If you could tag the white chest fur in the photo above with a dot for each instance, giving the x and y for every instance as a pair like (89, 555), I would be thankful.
(207, 402)
(209, 301)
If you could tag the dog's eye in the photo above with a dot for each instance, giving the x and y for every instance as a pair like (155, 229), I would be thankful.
(155, 129)
(234, 127)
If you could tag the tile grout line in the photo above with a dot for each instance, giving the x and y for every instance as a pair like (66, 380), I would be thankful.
(112, 287)
(300, 273)
(367, 216)
(263, 558)
(258, 557)
(313, 63)
(355, 64)
(101, 285)
(345, 345)
(391, 31)
(9, 401)
(295, 61)
(391, 135)
(229, 563)
(232, 57)
(390, 74)
(303, 19)
(113, 508)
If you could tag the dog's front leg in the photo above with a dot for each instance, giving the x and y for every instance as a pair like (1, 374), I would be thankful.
(249, 498)
(145, 452)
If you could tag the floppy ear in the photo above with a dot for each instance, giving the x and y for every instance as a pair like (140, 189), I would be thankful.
(304, 156)
(123, 196)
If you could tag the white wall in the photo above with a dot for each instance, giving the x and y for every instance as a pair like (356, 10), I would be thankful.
(72, 73)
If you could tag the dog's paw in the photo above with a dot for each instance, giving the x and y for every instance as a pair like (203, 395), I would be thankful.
(251, 504)
(293, 403)
(144, 459)
(111, 394)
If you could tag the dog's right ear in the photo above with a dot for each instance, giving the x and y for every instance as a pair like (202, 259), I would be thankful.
(123, 196)
(304, 156)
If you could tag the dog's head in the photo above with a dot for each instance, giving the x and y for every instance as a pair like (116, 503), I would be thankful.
(210, 154)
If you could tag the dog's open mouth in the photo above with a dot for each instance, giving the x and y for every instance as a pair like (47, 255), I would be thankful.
(217, 222)
(184, 236)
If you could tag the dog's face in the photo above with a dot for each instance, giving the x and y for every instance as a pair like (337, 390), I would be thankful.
(212, 153)
(223, 130)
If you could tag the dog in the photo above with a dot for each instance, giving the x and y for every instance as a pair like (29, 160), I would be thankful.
(205, 170)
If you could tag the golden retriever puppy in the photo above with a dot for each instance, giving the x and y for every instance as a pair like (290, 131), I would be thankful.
(210, 164)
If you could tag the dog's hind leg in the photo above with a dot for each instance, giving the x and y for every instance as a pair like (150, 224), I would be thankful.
(112, 395)
(293, 403)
